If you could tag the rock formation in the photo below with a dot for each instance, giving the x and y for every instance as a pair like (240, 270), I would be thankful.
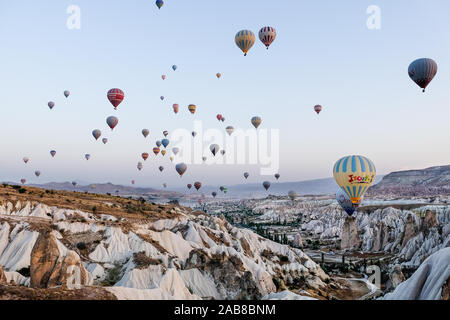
(349, 237)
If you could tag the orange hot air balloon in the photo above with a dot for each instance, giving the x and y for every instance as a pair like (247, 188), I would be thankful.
(175, 108)
(156, 151)
(218, 75)
(145, 156)
(192, 108)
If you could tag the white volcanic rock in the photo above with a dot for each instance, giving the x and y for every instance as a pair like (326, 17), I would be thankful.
(427, 282)
(286, 295)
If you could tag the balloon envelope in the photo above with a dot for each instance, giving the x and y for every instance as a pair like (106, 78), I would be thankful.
(174, 67)
(344, 200)
(66, 93)
(112, 122)
(165, 142)
(422, 71)
(189, 185)
(104, 140)
(246, 174)
(277, 176)
(197, 185)
(244, 39)
(229, 130)
(354, 174)
(218, 75)
(175, 150)
(267, 35)
(87, 156)
(256, 121)
(26, 159)
(214, 148)
(266, 185)
(145, 132)
(214, 194)
(144, 156)
(53, 153)
(317, 108)
(159, 3)
(292, 195)
(156, 150)
(181, 168)
(51, 104)
(192, 108)
(115, 96)
(176, 107)
(161, 168)
(37, 173)
(96, 133)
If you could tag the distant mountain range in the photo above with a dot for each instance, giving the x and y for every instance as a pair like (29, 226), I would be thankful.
(425, 182)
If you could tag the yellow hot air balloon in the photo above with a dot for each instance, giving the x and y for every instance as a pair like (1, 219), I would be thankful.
(354, 174)
(192, 108)
(163, 152)
(244, 40)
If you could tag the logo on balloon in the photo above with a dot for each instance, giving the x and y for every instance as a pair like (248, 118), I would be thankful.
(359, 179)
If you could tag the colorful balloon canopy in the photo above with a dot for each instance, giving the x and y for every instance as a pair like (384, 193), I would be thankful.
(51, 104)
(422, 71)
(218, 75)
(256, 121)
(354, 174)
(219, 117)
(229, 130)
(23, 181)
(165, 133)
(317, 108)
(244, 39)
(112, 122)
(159, 3)
(163, 152)
(197, 185)
(144, 156)
(344, 200)
(158, 143)
(181, 168)
(165, 142)
(175, 108)
(163, 77)
(115, 96)
(145, 132)
(292, 195)
(66, 93)
(156, 150)
(267, 35)
(192, 108)
(266, 185)
(96, 133)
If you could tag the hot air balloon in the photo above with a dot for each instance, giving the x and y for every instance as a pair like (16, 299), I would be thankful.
(229, 130)
(204, 158)
(171, 158)
(51, 104)
(23, 181)
(162, 98)
(145, 132)
(53, 153)
(256, 121)
(267, 35)
(222, 188)
(165, 185)
(115, 96)
(292, 195)
(96, 133)
(175, 150)
(200, 201)
(74, 183)
(219, 117)
(87, 156)
(189, 185)
(163, 77)
(223, 119)
(165, 133)
(67, 93)
(266, 185)
(132, 181)
(144, 156)
(214, 149)
(218, 75)
(225, 190)
(222, 152)
(354, 174)
(92, 186)
(317, 108)
(139, 166)
(26, 159)
(161, 168)
(165, 142)
(193, 133)
(345, 202)
(192, 108)
(181, 168)
(174, 67)
(197, 185)
(163, 152)
(112, 122)
(246, 175)
(244, 40)
(158, 143)
(175, 107)
(214, 194)
(156, 150)
(37, 173)
(277, 176)
(159, 3)
(422, 71)
(104, 140)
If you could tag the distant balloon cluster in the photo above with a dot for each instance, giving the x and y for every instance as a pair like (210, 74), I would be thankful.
(245, 39)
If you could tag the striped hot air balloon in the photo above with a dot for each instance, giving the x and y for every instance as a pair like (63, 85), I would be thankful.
(192, 108)
(115, 96)
(422, 71)
(175, 107)
(244, 40)
(354, 174)
(267, 35)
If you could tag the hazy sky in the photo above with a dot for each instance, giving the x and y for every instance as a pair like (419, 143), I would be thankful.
(324, 54)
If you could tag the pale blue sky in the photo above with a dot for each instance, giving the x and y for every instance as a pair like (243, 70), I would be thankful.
(324, 54)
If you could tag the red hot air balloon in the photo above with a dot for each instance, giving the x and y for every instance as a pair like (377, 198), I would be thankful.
(132, 181)
(317, 108)
(115, 96)
(156, 151)
(112, 122)
(145, 156)
(219, 117)
(197, 185)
